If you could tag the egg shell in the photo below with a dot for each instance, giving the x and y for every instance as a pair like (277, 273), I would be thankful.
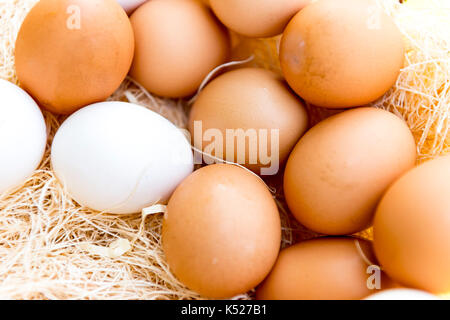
(205, 2)
(340, 169)
(23, 136)
(250, 99)
(412, 228)
(119, 157)
(402, 294)
(340, 54)
(257, 18)
(130, 5)
(221, 233)
(71, 53)
(321, 269)
(178, 43)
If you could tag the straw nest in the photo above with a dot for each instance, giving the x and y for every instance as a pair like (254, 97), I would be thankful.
(52, 248)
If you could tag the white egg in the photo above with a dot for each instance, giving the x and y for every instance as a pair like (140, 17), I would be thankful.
(402, 294)
(119, 157)
(23, 136)
(131, 5)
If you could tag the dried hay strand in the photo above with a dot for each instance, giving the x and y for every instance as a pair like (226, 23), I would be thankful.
(50, 246)
(53, 248)
(12, 13)
(265, 51)
(421, 95)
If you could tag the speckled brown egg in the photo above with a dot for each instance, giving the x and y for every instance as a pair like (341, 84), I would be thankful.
(71, 53)
(257, 18)
(221, 233)
(340, 54)
(412, 228)
(338, 172)
(178, 43)
(257, 106)
(324, 269)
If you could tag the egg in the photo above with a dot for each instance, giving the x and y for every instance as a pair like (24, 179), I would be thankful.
(221, 233)
(338, 172)
(23, 136)
(205, 2)
(402, 294)
(178, 43)
(71, 53)
(340, 54)
(323, 269)
(253, 116)
(412, 228)
(257, 18)
(130, 5)
(119, 157)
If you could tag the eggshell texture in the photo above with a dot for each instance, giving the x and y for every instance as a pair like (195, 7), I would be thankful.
(205, 2)
(119, 157)
(178, 43)
(131, 5)
(257, 18)
(402, 294)
(412, 228)
(71, 53)
(321, 269)
(250, 99)
(340, 54)
(23, 136)
(339, 170)
(221, 233)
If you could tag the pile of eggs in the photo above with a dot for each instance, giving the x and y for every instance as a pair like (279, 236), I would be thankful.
(221, 231)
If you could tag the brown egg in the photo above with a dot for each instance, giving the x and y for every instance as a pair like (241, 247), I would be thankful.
(71, 53)
(178, 43)
(267, 118)
(324, 269)
(221, 233)
(412, 228)
(205, 2)
(340, 54)
(339, 170)
(257, 18)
